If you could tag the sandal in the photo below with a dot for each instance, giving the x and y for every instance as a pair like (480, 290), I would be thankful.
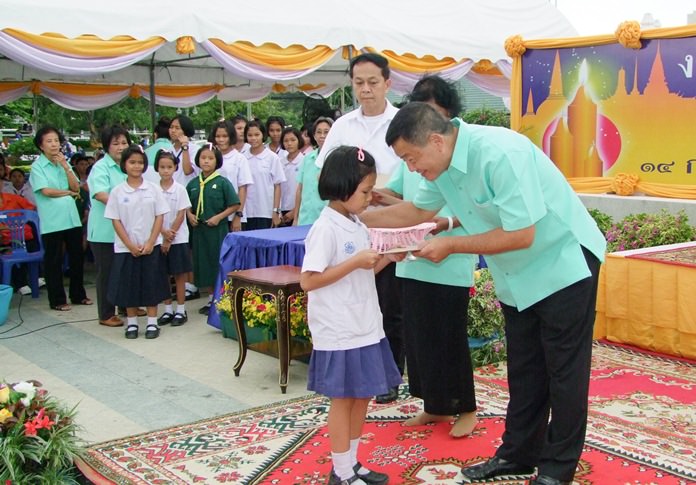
(84, 301)
(61, 308)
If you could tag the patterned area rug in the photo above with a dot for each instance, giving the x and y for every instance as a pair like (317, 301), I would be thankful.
(680, 257)
(641, 431)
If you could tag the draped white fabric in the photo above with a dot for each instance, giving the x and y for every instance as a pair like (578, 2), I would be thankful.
(180, 102)
(13, 94)
(81, 102)
(28, 55)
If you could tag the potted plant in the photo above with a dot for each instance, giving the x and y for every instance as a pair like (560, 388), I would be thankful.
(486, 324)
(38, 436)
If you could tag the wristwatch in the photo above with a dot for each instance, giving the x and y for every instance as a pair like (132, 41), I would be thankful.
(184, 148)
(239, 213)
(276, 210)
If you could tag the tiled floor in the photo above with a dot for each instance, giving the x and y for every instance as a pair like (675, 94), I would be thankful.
(123, 387)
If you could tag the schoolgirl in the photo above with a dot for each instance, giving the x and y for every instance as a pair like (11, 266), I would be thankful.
(274, 129)
(351, 359)
(263, 196)
(292, 143)
(235, 167)
(175, 237)
(213, 199)
(138, 277)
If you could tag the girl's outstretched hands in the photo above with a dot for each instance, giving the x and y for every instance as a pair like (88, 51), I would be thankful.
(367, 258)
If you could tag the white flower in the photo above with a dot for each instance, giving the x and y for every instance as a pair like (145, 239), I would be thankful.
(26, 388)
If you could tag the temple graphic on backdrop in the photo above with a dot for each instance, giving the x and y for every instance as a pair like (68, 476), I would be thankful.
(644, 131)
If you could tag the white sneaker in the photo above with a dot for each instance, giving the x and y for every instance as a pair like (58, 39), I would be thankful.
(42, 282)
(25, 290)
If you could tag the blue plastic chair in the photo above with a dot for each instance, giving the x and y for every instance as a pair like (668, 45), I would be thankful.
(14, 222)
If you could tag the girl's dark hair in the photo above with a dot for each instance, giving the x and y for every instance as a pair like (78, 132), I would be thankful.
(78, 157)
(45, 130)
(110, 133)
(186, 125)
(131, 150)
(18, 170)
(343, 171)
(165, 154)
(228, 127)
(294, 131)
(162, 128)
(255, 123)
(275, 119)
(439, 91)
(216, 152)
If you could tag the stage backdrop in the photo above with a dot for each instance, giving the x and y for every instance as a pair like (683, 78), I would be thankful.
(600, 106)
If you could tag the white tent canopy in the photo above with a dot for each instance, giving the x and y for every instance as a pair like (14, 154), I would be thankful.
(440, 36)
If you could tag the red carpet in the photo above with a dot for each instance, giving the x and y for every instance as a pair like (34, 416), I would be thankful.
(641, 431)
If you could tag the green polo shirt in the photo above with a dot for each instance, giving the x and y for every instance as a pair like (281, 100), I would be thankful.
(456, 269)
(55, 213)
(104, 176)
(311, 204)
(499, 179)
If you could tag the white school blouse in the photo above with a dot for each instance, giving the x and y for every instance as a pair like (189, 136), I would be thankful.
(343, 315)
(288, 189)
(266, 171)
(136, 208)
(177, 199)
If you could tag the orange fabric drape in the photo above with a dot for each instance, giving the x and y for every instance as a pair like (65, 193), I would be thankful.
(294, 57)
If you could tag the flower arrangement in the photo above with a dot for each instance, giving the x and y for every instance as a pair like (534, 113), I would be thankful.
(486, 321)
(38, 436)
(637, 231)
(259, 310)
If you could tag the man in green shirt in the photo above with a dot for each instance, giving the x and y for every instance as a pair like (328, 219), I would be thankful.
(544, 252)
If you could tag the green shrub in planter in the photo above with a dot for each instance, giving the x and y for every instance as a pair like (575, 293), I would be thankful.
(604, 221)
(648, 230)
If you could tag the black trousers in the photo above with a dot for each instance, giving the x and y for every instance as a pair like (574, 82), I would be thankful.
(437, 347)
(389, 295)
(54, 242)
(549, 357)
(103, 259)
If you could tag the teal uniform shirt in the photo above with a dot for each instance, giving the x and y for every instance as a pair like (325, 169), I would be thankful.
(456, 269)
(151, 151)
(104, 176)
(55, 213)
(499, 179)
(311, 204)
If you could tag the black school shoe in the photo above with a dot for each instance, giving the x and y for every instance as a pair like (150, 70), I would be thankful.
(192, 295)
(205, 309)
(179, 319)
(390, 396)
(165, 319)
(372, 477)
(132, 332)
(152, 332)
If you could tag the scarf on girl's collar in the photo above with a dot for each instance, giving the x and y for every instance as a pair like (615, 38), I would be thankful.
(201, 184)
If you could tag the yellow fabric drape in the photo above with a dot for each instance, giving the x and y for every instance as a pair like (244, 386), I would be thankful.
(294, 57)
(603, 185)
(181, 91)
(11, 86)
(281, 88)
(87, 45)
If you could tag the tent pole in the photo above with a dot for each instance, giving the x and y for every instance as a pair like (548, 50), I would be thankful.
(153, 110)
(248, 115)
(352, 91)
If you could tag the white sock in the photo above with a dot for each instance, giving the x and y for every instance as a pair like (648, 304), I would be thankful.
(181, 308)
(132, 321)
(342, 465)
(152, 321)
(168, 308)
(354, 451)
(191, 286)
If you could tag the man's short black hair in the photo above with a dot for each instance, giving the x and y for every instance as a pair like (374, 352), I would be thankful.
(376, 59)
(415, 122)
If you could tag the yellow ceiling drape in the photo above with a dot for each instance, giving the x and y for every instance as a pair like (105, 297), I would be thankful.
(294, 57)
(10, 86)
(87, 45)
(627, 185)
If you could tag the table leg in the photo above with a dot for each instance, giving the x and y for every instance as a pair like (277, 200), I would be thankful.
(238, 295)
(283, 329)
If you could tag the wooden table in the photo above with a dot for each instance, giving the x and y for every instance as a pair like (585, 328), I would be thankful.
(281, 282)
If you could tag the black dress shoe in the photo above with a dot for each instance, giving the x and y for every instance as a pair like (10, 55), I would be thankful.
(495, 467)
(372, 477)
(390, 396)
(547, 480)
(132, 332)
(179, 319)
(165, 319)
(192, 295)
(152, 332)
